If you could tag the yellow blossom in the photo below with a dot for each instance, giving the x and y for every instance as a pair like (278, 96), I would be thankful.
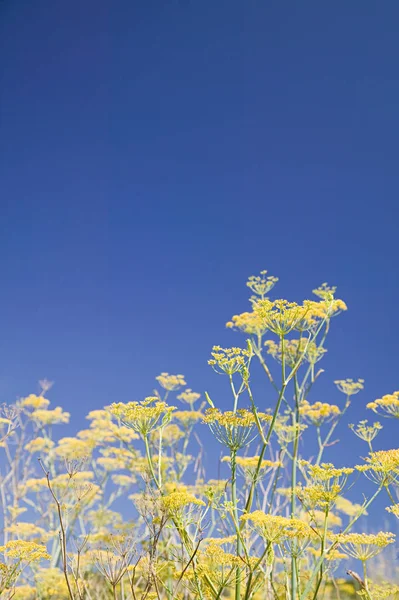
(39, 444)
(233, 428)
(188, 417)
(260, 284)
(189, 396)
(275, 528)
(229, 360)
(319, 412)
(36, 402)
(24, 550)
(170, 382)
(364, 546)
(175, 501)
(349, 387)
(366, 432)
(144, 416)
(388, 405)
(50, 417)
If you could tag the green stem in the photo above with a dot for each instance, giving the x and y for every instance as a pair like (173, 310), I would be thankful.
(235, 511)
(325, 552)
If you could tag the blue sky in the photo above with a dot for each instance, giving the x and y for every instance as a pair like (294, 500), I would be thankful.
(155, 154)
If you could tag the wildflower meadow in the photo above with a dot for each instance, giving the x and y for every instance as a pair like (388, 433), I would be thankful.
(125, 510)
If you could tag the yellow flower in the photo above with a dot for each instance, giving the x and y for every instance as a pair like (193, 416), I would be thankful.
(50, 417)
(364, 546)
(261, 285)
(171, 434)
(189, 396)
(24, 550)
(281, 316)
(39, 444)
(349, 387)
(319, 412)
(388, 405)
(170, 382)
(144, 416)
(188, 417)
(248, 322)
(382, 466)
(36, 402)
(274, 528)
(294, 350)
(229, 360)
(72, 448)
(348, 508)
(366, 432)
(175, 501)
(232, 428)
(325, 291)
(249, 466)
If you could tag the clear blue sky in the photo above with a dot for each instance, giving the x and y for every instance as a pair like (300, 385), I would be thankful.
(155, 154)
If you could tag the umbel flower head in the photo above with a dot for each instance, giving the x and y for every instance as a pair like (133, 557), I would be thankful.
(366, 432)
(249, 466)
(382, 466)
(319, 412)
(170, 382)
(229, 360)
(233, 429)
(364, 546)
(144, 416)
(349, 387)
(189, 396)
(294, 350)
(387, 406)
(274, 528)
(261, 284)
(175, 501)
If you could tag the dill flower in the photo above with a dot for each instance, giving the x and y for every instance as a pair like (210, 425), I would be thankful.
(72, 448)
(382, 466)
(387, 406)
(366, 432)
(176, 501)
(25, 551)
(286, 434)
(188, 417)
(280, 316)
(327, 483)
(325, 291)
(394, 509)
(39, 444)
(229, 360)
(145, 416)
(248, 322)
(319, 412)
(348, 508)
(349, 387)
(249, 466)
(33, 401)
(171, 434)
(260, 284)
(274, 528)
(189, 396)
(379, 591)
(294, 349)
(50, 417)
(170, 382)
(364, 546)
(233, 429)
